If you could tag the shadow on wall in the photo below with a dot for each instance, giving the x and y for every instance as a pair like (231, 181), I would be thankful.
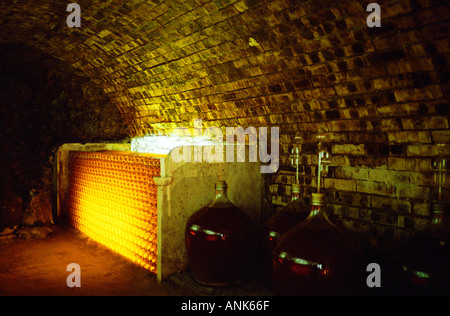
(45, 104)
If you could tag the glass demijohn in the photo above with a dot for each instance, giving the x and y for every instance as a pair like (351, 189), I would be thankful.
(218, 241)
(293, 213)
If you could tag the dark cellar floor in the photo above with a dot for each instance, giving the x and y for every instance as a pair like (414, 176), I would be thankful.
(38, 267)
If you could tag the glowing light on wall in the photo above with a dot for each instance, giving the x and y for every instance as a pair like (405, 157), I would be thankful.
(164, 144)
(113, 199)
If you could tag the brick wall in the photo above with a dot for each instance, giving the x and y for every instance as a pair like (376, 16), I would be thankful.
(381, 94)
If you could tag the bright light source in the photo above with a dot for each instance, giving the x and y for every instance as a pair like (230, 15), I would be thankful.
(156, 144)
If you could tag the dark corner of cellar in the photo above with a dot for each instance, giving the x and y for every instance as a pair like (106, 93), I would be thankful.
(228, 148)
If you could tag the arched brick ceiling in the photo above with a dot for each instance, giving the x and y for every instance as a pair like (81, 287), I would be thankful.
(300, 65)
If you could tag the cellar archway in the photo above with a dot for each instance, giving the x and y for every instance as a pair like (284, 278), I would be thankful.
(45, 104)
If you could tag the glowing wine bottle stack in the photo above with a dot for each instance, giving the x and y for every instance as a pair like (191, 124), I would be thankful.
(218, 241)
(113, 200)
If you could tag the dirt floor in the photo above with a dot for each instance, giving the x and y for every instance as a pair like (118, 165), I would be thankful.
(38, 267)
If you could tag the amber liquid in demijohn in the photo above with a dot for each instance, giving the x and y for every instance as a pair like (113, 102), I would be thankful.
(218, 241)
(316, 258)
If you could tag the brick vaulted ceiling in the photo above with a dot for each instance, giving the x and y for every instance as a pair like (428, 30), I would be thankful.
(300, 65)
